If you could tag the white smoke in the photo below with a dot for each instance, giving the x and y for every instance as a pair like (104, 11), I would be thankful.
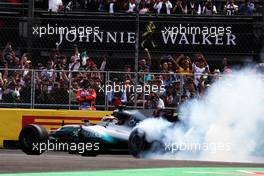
(226, 124)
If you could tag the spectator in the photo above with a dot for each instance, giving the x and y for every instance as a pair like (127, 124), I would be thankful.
(169, 97)
(23, 61)
(193, 8)
(86, 96)
(146, 6)
(76, 52)
(48, 72)
(246, 8)
(127, 76)
(199, 67)
(145, 62)
(103, 64)
(13, 61)
(26, 70)
(10, 56)
(183, 64)
(11, 93)
(163, 7)
(209, 8)
(216, 75)
(180, 7)
(155, 102)
(55, 5)
(131, 6)
(63, 63)
(170, 67)
(118, 98)
(230, 8)
(184, 100)
(112, 6)
(226, 66)
(191, 89)
(75, 62)
(164, 67)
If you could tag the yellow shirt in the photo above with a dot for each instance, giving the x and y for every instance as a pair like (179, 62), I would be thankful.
(184, 71)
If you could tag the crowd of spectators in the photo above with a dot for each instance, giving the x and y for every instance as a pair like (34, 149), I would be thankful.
(183, 78)
(191, 7)
(57, 81)
(53, 81)
(14, 85)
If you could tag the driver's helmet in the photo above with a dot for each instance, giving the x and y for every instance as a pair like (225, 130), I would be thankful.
(86, 122)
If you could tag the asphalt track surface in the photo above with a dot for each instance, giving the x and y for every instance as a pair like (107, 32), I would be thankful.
(15, 161)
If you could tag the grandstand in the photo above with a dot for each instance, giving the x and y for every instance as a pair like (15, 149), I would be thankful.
(31, 39)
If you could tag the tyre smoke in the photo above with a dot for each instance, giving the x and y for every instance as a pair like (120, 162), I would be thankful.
(226, 124)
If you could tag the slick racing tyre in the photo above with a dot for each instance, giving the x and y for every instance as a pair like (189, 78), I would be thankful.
(137, 143)
(31, 137)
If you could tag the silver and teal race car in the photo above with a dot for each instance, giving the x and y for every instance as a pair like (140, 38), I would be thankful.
(110, 136)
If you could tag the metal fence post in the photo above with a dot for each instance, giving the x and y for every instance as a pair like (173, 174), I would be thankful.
(182, 88)
(136, 55)
(33, 89)
(70, 89)
(30, 24)
(144, 77)
(106, 83)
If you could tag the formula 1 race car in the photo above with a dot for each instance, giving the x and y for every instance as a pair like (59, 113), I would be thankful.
(109, 136)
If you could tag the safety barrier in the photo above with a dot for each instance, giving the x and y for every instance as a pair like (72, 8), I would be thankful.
(12, 120)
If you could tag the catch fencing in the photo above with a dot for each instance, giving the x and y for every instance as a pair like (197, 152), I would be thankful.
(56, 89)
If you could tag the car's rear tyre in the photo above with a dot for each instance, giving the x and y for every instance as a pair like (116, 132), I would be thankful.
(91, 152)
(31, 137)
(137, 143)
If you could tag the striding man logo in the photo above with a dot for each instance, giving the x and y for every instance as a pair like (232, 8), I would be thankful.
(147, 37)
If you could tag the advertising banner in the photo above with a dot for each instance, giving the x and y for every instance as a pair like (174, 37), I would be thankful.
(13, 120)
(209, 35)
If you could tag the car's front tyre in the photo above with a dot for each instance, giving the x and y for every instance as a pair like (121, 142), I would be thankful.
(31, 137)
